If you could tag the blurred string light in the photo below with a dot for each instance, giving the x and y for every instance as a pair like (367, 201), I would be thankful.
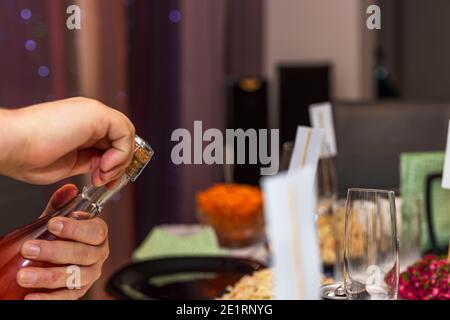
(26, 14)
(175, 16)
(43, 71)
(30, 45)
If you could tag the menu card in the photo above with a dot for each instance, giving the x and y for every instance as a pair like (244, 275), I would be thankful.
(307, 146)
(289, 206)
(321, 116)
(290, 222)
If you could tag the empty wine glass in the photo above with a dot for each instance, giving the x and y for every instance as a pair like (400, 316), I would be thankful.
(326, 186)
(371, 266)
(286, 155)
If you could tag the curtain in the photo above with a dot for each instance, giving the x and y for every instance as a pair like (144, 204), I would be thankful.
(219, 39)
(154, 99)
(32, 40)
(101, 47)
(181, 53)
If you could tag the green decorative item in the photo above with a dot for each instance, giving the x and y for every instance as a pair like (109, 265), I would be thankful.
(162, 243)
(415, 168)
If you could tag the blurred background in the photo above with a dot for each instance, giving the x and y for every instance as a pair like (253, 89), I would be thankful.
(231, 64)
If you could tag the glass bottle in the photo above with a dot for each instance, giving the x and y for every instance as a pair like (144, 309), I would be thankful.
(91, 200)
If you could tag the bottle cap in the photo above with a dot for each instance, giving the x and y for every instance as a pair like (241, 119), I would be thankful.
(143, 153)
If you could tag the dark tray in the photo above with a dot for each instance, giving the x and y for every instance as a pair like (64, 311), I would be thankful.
(181, 278)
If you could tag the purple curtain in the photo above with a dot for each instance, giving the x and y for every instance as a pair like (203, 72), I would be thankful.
(34, 53)
(182, 51)
(219, 39)
(154, 100)
(243, 37)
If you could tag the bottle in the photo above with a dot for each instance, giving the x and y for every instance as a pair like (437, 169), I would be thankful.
(91, 199)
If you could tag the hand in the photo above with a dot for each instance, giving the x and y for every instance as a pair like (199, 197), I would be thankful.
(48, 142)
(85, 244)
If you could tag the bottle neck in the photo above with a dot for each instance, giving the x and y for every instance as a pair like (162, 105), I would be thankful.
(99, 196)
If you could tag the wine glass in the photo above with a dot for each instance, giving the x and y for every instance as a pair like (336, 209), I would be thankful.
(371, 263)
(326, 186)
(286, 155)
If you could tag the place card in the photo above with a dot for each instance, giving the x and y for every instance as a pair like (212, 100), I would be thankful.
(289, 207)
(308, 142)
(321, 116)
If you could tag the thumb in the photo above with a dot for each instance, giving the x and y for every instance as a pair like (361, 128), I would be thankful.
(60, 198)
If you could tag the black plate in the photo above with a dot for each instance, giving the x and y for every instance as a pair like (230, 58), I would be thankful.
(179, 278)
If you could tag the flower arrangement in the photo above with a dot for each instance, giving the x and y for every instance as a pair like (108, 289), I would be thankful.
(428, 279)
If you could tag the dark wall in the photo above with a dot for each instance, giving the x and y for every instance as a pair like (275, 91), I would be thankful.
(371, 137)
(415, 41)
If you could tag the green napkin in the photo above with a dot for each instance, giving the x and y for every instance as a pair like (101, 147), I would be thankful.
(162, 243)
(414, 168)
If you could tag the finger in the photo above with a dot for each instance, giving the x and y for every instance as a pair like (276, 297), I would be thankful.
(64, 252)
(122, 146)
(57, 277)
(92, 231)
(71, 164)
(109, 178)
(96, 180)
(87, 161)
(112, 184)
(60, 198)
(80, 215)
(103, 144)
(113, 178)
(104, 177)
(64, 294)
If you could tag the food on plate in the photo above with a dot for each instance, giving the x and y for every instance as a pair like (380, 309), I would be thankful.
(327, 240)
(258, 286)
(331, 231)
(235, 212)
(427, 279)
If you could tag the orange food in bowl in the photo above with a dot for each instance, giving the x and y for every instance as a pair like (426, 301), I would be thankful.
(235, 212)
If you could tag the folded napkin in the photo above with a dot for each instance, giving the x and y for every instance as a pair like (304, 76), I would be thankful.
(167, 241)
(415, 167)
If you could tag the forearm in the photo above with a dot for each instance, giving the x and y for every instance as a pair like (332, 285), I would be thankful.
(10, 139)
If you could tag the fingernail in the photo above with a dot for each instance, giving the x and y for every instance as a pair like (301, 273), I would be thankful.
(31, 250)
(27, 277)
(32, 297)
(56, 226)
